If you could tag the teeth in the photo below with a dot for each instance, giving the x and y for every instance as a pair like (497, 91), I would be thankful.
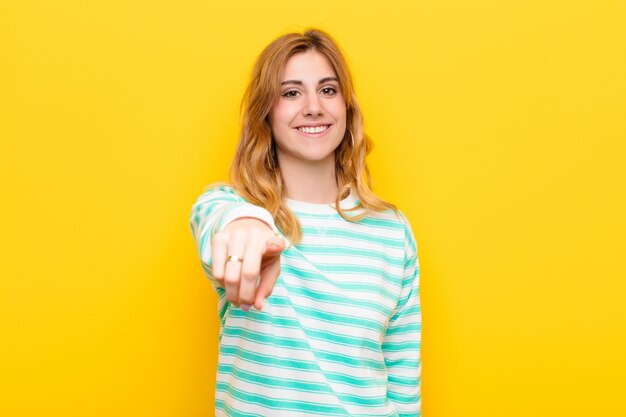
(317, 129)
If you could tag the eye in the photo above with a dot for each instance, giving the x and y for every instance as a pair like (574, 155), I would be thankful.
(290, 93)
(329, 91)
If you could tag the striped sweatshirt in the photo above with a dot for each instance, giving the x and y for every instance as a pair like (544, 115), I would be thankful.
(340, 334)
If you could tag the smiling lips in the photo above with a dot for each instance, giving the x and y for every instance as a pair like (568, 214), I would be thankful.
(313, 129)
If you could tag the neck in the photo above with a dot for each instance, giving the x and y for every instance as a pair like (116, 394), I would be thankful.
(309, 182)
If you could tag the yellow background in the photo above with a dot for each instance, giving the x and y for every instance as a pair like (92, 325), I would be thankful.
(499, 130)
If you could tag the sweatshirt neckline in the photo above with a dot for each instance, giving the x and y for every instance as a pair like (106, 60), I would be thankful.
(301, 206)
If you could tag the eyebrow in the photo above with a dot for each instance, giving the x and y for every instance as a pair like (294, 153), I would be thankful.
(298, 82)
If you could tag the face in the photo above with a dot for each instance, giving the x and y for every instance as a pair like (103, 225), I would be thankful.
(308, 121)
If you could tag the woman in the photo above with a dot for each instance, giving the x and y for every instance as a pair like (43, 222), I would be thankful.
(317, 278)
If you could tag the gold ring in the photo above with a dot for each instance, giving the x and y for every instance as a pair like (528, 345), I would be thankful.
(234, 258)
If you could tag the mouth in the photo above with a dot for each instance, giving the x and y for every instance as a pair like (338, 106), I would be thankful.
(313, 130)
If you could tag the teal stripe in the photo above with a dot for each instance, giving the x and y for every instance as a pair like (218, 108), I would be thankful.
(266, 318)
(401, 346)
(328, 317)
(231, 412)
(355, 236)
(351, 287)
(412, 310)
(352, 270)
(406, 363)
(402, 380)
(339, 300)
(266, 339)
(203, 242)
(223, 305)
(277, 362)
(287, 323)
(293, 343)
(290, 384)
(366, 271)
(341, 269)
(338, 339)
(396, 225)
(281, 404)
(402, 398)
(304, 365)
(410, 327)
(410, 263)
(347, 251)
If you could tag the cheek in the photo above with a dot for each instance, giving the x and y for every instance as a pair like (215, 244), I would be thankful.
(338, 109)
(282, 112)
(279, 123)
(341, 116)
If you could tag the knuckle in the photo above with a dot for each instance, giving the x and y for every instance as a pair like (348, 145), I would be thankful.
(238, 234)
(220, 238)
(246, 300)
(259, 232)
(250, 274)
(246, 297)
(231, 279)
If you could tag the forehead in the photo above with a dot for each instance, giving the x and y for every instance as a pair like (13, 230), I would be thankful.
(308, 66)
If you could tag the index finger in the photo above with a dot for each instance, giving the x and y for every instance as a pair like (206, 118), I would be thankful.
(269, 276)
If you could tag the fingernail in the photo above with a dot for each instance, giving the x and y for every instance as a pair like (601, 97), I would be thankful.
(245, 307)
(262, 304)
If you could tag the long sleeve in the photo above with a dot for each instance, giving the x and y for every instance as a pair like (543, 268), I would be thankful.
(212, 211)
(402, 342)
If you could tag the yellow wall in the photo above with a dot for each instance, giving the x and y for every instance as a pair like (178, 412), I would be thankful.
(499, 130)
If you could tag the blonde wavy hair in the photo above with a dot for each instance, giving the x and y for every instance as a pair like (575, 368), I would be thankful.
(255, 174)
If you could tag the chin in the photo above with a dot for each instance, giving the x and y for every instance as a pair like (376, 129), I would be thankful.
(315, 157)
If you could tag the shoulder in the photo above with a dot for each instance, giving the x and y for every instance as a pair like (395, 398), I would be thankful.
(398, 220)
(409, 237)
(393, 217)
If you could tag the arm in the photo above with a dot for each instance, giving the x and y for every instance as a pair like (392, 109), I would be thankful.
(402, 343)
(212, 212)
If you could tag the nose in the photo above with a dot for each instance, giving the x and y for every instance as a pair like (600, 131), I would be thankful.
(313, 105)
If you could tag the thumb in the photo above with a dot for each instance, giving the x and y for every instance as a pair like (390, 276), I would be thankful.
(274, 246)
